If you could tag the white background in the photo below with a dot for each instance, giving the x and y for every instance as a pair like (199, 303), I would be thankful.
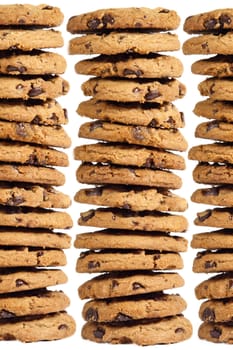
(71, 101)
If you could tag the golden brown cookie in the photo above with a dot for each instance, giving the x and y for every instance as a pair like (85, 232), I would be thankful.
(213, 261)
(217, 217)
(211, 109)
(220, 239)
(213, 174)
(214, 152)
(217, 287)
(217, 66)
(217, 89)
(216, 195)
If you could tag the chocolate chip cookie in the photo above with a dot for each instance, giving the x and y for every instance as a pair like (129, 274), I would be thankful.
(214, 152)
(216, 332)
(217, 287)
(220, 239)
(215, 130)
(216, 310)
(213, 174)
(217, 261)
(216, 195)
(218, 89)
(217, 217)
(211, 109)
(217, 66)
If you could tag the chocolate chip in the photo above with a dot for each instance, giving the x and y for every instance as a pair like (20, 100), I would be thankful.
(99, 332)
(213, 191)
(137, 133)
(96, 125)
(179, 330)
(88, 215)
(125, 340)
(114, 284)
(203, 216)
(136, 90)
(127, 71)
(36, 120)
(88, 45)
(204, 45)
(153, 124)
(164, 11)
(212, 89)
(210, 264)
(120, 317)
(21, 130)
(47, 7)
(216, 332)
(152, 94)
(20, 283)
(33, 160)
(20, 69)
(19, 87)
(6, 314)
(15, 200)
(21, 21)
(62, 327)
(126, 206)
(107, 19)
(8, 336)
(137, 285)
(93, 23)
(92, 314)
(230, 284)
(39, 254)
(94, 192)
(210, 23)
(208, 314)
(93, 264)
(212, 125)
(149, 163)
(224, 19)
(35, 91)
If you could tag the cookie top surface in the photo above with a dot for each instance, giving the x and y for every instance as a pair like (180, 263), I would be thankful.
(124, 309)
(110, 174)
(218, 89)
(31, 154)
(121, 284)
(37, 328)
(209, 44)
(218, 239)
(127, 219)
(129, 155)
(27, 40)
(211, 262)
(123, 239)
(151, 332)
(30, 15)
(134, 66)
(18, 237)
(16, 280)
(124, 18)
(214, 152)
(151, 115)
(212, 21)
(133, 198)
(31, 257)
(115, 43)
(127, 260)
(217, 287)
(216, 332)
(216, 195)
(216, 310)
(160, 91)
(213, 174)
(171, 139)
(217, 66)
(217, 217)
(212, 109)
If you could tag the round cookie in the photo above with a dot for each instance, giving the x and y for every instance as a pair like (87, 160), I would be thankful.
(31, 257)
(217, 66)
(37, 302)
(213, 174)
(170, 139)
(123, 18)
(217, 195)
(27, 40)
(151, 115)
(54, 136)
(208, 44)
(132, 198)
(31, 329)
(123, 239)
(112, 285)
(212, 21)
(217, 287)
(34, 218)
(216, 310)
(215, 130)
(211, 109)
(217, 217)
(31, 174)
(34, 63)
(220, 239)
(160, 91)
(126, 219)
(217, 261)
(41, 88)
(216, 332)
(152, 332)
(217, 89)
(214, 152)
(33, 196)
(33, 238)
(17, 280)
(133, 308)
(47, 112)
(130, 155)
(127, 260)
(127, 42)
(133, 66)
(109, 174)
(23, 153)
(30, 15)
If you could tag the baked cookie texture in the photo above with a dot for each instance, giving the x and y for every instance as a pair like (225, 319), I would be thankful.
(33, 210)
(214, 34)
(132, 92)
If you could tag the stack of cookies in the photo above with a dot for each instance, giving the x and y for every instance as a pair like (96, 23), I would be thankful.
(215, 169)
(30, 126)
(132, 94)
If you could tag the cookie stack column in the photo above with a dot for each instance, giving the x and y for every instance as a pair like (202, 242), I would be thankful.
(30, 126)
(135, 118)
(215, 169)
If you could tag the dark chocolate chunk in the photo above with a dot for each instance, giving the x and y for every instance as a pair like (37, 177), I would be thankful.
(107, 19)
(62, 327)
(93, 264)
(216, 332)
(120, 317)
(212, 125)
(210, 23)
(204, 45)
(19, 87)
(152, 94)
(87, 216)
(149, 163)
(224, 19)
(8, 336)
(96, 125)
(137, 285)
(179, 330)
(93, 23)
(15, 200)
(99, 333)
(137, 133)
(153, 124)
(125, 340)
(21, 130)
(20, 283)
(94, 192)
(35, 91)
(114, 284)
(127, 71)
(36, 120)
(92, 314)
(126, 206)
(210, 264)
(205, 215)
(213, 191)
(164, 11)
(136, 90)
(20, 69)
(6, 314)
(208, 314)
